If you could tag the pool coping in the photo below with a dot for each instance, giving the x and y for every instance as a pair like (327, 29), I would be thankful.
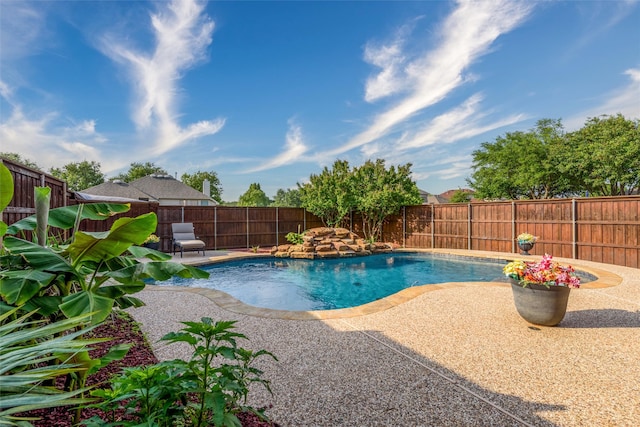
(605, 279)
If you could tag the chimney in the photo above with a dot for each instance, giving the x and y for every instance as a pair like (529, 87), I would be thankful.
(206, 187)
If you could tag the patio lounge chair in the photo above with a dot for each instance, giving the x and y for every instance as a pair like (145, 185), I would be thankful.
(185, 239)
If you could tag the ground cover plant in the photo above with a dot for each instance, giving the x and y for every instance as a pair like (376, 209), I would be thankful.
(121, 329)
(209, 389)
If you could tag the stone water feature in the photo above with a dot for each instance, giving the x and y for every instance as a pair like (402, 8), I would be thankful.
(326, 242)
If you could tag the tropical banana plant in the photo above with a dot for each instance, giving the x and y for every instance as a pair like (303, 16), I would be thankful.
(91, 273)
(27, 349)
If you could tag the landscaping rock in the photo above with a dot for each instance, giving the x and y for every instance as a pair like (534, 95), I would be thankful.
(326, 242)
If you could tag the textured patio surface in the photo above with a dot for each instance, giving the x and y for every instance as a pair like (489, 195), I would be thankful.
(447, 355)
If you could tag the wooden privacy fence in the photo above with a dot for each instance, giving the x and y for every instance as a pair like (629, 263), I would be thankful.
(25, 180)
(222, 227)
(595, 229)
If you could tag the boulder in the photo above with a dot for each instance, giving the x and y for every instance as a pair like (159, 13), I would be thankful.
(326, 242)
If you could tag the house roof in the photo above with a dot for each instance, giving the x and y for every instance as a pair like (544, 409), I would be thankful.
(151, 188)
(118, 189)
(431, 198)
(167, 187)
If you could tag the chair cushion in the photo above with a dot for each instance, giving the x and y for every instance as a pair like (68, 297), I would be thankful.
(190, 244)
(184, 236)
(182, 227)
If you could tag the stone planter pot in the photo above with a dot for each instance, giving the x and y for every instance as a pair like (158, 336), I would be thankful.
(540, 305)
(152, 245)
(525, 248)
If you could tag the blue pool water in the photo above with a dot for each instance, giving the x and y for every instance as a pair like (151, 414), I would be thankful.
(291, 284)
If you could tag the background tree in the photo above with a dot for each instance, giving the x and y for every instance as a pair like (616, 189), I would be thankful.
(329, 195)
(15, 157)
(287, 198)
(379, 192)
(195, 181)
(460, 196)
(523, 165)
(254, 196)
(139, 170)
(604, 156)
(80, 175)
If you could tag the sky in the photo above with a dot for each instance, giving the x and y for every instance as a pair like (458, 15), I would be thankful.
(273, 91)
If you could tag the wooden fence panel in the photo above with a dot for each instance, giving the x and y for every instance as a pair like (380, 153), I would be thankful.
(491, 227)
(262, 227)
(550, 220)
(608, 230)
(418, 226)
(451, 226)
(290, 220)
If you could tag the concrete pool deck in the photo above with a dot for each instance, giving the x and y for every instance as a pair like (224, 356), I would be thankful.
(450, 354)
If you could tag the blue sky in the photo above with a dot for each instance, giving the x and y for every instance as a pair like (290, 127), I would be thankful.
(271, 92)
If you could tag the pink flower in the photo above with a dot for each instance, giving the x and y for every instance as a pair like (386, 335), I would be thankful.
(546, 272)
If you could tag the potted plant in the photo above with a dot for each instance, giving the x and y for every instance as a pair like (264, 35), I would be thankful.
(541, 289)
(152, 242)
(526, 242)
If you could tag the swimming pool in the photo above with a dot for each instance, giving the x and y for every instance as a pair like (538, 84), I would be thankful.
(296, 284)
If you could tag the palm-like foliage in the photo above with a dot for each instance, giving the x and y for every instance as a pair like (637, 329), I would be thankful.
(26, 348)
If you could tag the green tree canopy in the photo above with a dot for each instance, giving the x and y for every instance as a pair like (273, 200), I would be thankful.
(380, 192)
(371, 190)
(460, 196)
(604, 156)
(522, 165)
(80, 175)
(195, 181)
(287, 198)
(254, 196)
(15, 157)
(329, 195)
(139, 170)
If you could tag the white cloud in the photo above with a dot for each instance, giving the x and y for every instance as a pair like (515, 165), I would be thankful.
(294, 149)
(5, 91)
(43, 140)
(466, 35)
(625, 101)
(21, 25)
(391, 59)
(183, 34)
(459, 123)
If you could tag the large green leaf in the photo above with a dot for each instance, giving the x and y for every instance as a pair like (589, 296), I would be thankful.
(142, 252)
(37, 257)
(102, 246)
(87, 302)
(116, 291)
(19, 286)
(160, 270)
(45, 305)
(6, 187)
(65, 217)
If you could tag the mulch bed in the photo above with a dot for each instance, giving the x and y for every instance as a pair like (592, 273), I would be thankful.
(122, 329)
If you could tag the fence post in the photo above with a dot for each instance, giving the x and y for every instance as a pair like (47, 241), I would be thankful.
(247, 213)
(404, 226)
(215, 228)
(469, 215)
(277, 228)
(304, 219)
(433, 226)
(574, 230)
(513, 226)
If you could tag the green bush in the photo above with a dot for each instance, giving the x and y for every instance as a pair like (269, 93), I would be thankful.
(209, 389)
